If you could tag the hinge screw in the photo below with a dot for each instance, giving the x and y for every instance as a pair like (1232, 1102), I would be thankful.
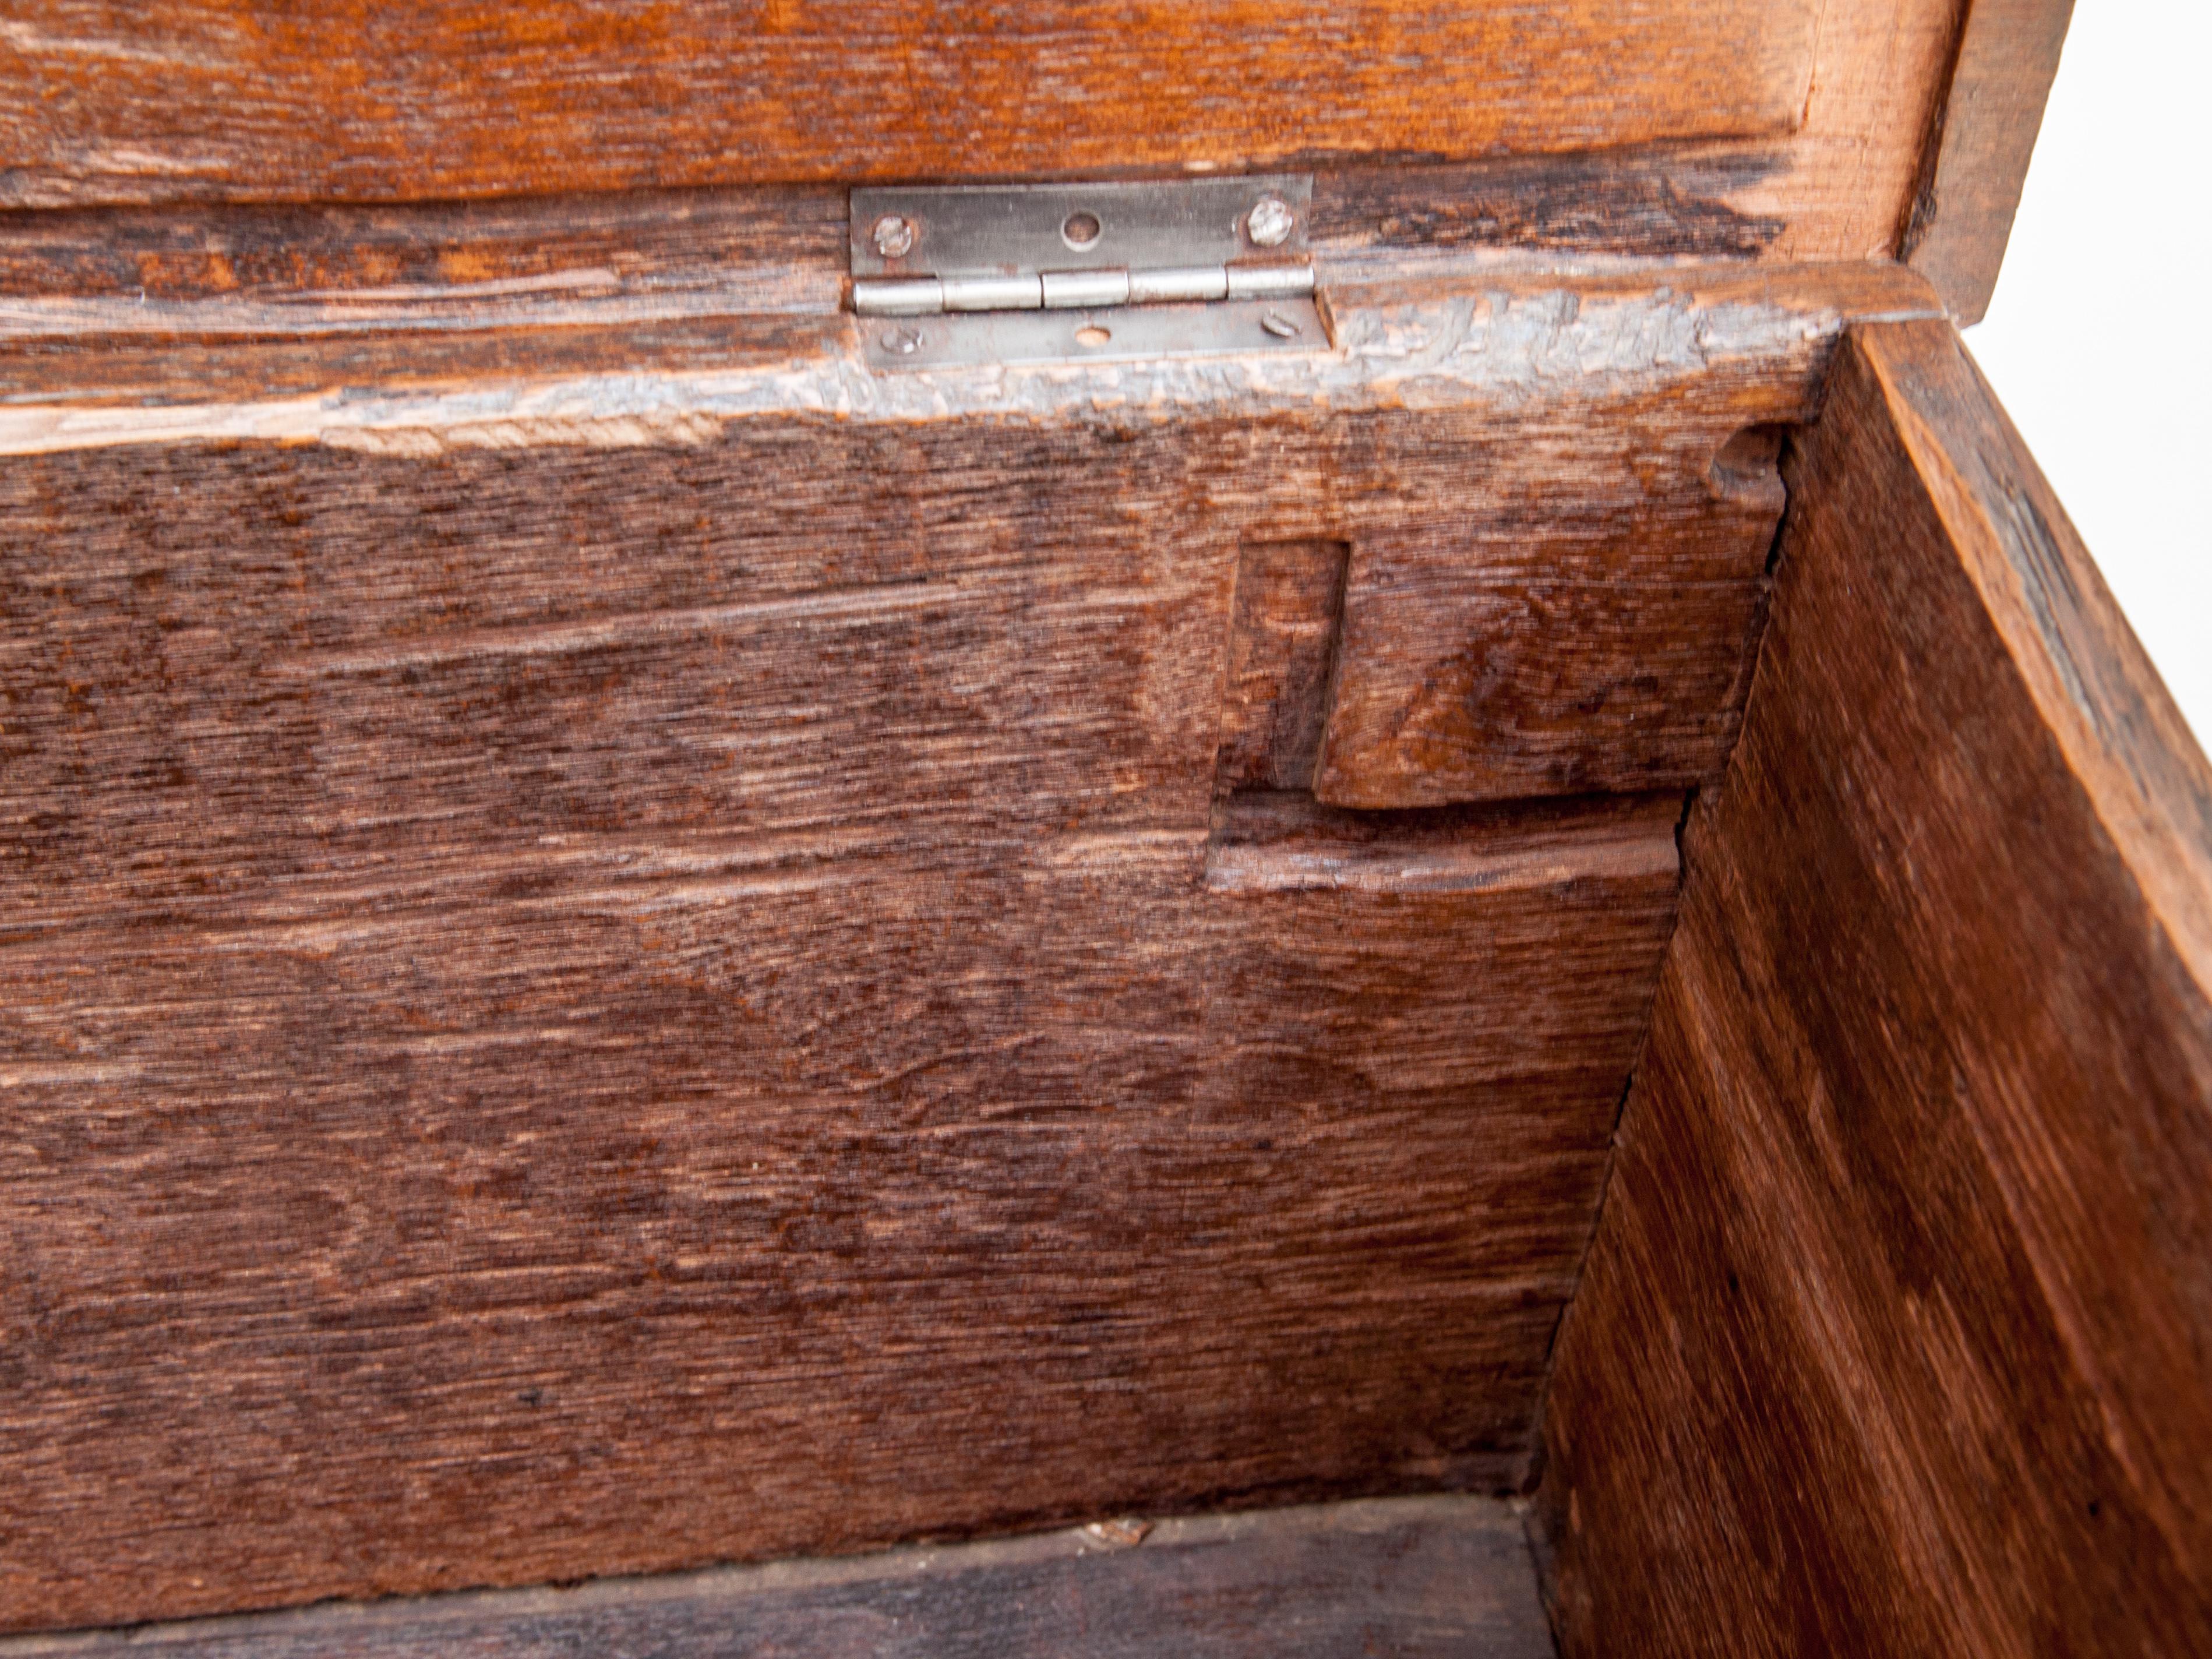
(901, 342)
(1270, 222)
(894, 236)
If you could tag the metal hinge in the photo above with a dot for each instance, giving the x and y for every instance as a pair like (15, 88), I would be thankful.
(1004, 273)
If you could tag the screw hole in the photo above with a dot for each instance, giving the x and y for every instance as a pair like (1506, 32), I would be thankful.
(1091, 335)
(1080, 229)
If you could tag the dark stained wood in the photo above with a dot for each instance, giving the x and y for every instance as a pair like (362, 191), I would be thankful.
(1895, 1334)
(1421, 1578)
(184, 101)
(1977, 157)
(329, 265)
(1588, 123)
(483, 286)
(71, 279)
(626, 969)
(630, 1199)
(1662, 201)
(1556, 561)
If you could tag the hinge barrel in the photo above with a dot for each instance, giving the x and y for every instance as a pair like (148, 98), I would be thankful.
(1174, 283)
(899, 296)
(1078, 291)
(1269, 281)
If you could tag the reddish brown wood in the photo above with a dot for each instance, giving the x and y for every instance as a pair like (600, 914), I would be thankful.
(600, 973)
(629, 1199)
(1893, 1336)
(631, 961)
(1756, 128)
(185, 100)
(1978, 157)
(1536, 477)
(163, 276)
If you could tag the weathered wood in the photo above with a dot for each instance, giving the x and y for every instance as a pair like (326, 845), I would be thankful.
(1408, 1577)
(1555, 562)
(1751, 132)
(325, 266)
(620, 965)
(599, 974)
(179, 101)
(629, 1202)
(1977, 160)
(1894, 1335)
(89, 276)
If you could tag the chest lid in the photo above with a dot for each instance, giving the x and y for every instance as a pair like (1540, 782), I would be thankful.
(1785, 129)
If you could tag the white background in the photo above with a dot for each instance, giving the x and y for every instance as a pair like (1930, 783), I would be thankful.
(2098, 338)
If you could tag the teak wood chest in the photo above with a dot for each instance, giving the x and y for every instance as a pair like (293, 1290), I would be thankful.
(1146, 830)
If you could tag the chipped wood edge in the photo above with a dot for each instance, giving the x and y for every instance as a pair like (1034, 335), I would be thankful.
(2096, 690)
(1516, 337)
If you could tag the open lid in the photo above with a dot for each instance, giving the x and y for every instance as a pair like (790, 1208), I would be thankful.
(1818, 126)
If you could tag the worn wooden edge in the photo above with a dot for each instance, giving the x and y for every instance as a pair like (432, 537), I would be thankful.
(1980, 145)
(1407, 1576)
(107, 278)
(245, 269)
(2124, 739)
(1410, 340)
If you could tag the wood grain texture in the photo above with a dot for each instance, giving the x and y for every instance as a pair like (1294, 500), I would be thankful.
(244, 271)
(1893, 1336)
(1977, 157)
(1421, 1577)
(1591, 126)
(644, 1206)
(589, 991)
(1556, 560)
(187, 100)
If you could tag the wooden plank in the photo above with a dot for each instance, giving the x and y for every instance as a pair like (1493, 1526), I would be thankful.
(638, 965)
(1416, 1578)
(179, 101)
(1623, 147)
(1977, 157)
(235, 271)
(586, 990)
(1556, 564)
(249, 271)
(1893, 1335)
(620, 1206)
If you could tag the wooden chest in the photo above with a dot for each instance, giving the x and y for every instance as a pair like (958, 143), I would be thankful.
(1298, 806)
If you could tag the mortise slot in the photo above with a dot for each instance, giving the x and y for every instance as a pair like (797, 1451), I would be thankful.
(1281, 842)
(1288, 612)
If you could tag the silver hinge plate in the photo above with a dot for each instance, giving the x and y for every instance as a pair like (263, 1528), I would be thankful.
(1084, 271)
(1003, 230)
